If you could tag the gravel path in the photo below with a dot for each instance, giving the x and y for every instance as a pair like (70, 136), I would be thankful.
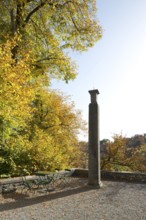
(114, 201)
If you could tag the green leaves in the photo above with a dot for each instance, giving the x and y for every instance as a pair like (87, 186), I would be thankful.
(40, 126)
(49, 28)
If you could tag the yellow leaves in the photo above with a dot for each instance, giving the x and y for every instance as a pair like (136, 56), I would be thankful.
(16, 89)
(52, 130)
(53, 28)
(36, 122)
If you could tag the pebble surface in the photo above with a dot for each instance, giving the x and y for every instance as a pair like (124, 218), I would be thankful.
(77, 201)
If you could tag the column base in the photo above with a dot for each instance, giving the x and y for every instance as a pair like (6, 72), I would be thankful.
(95, 186)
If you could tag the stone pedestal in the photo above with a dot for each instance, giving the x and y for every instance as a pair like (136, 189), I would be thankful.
(94, 178)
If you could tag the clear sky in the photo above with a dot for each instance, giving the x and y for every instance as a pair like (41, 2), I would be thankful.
(116, 66)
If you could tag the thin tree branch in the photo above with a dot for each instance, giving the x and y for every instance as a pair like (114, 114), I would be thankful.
(40, 6)
(35, 10)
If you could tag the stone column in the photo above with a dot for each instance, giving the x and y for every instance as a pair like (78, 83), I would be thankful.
(94, 178)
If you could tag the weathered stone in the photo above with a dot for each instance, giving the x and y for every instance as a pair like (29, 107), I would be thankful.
(134, 177)
(94, 146)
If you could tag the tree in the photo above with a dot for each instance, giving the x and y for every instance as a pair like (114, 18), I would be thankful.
(83, 159)
(50, 28)
(138, 158)
(17, 90)
(37, 124)
(57, 119)
(38, 127)
(103, 146)
(120, 157)
(115, 156)
(136, 141)
(16, 94)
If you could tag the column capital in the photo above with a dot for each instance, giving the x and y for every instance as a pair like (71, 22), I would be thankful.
(93, 94)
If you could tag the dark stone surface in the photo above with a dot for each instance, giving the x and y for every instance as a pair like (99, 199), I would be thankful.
(94, 147)
(115, 176)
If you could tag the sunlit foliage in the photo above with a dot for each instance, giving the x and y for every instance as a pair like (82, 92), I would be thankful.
(51, 28)
(119, 157)
(39, 127)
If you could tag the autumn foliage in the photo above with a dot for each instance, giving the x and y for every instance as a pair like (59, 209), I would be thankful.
(120, 155)
(38, 127)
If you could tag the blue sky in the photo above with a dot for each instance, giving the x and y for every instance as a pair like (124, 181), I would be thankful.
(116, 66)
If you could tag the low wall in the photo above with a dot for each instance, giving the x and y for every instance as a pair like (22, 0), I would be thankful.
(115, 176)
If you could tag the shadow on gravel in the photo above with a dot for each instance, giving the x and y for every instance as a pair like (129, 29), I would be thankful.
(23, 200)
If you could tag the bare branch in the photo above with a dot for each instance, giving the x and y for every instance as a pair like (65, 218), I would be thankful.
(40, 6)
(35, 10)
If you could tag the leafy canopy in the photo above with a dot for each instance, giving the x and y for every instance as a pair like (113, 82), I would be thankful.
(50, 28)
(120, 157)
(39, 127)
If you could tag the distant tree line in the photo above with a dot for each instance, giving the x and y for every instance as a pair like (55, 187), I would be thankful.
(121, 154)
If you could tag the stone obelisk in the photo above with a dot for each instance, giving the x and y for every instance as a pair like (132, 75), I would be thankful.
(94, 178)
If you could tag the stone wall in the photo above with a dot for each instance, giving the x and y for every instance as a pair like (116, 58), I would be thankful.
(115, 176)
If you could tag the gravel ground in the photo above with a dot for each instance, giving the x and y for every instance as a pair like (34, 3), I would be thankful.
(114, 201)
